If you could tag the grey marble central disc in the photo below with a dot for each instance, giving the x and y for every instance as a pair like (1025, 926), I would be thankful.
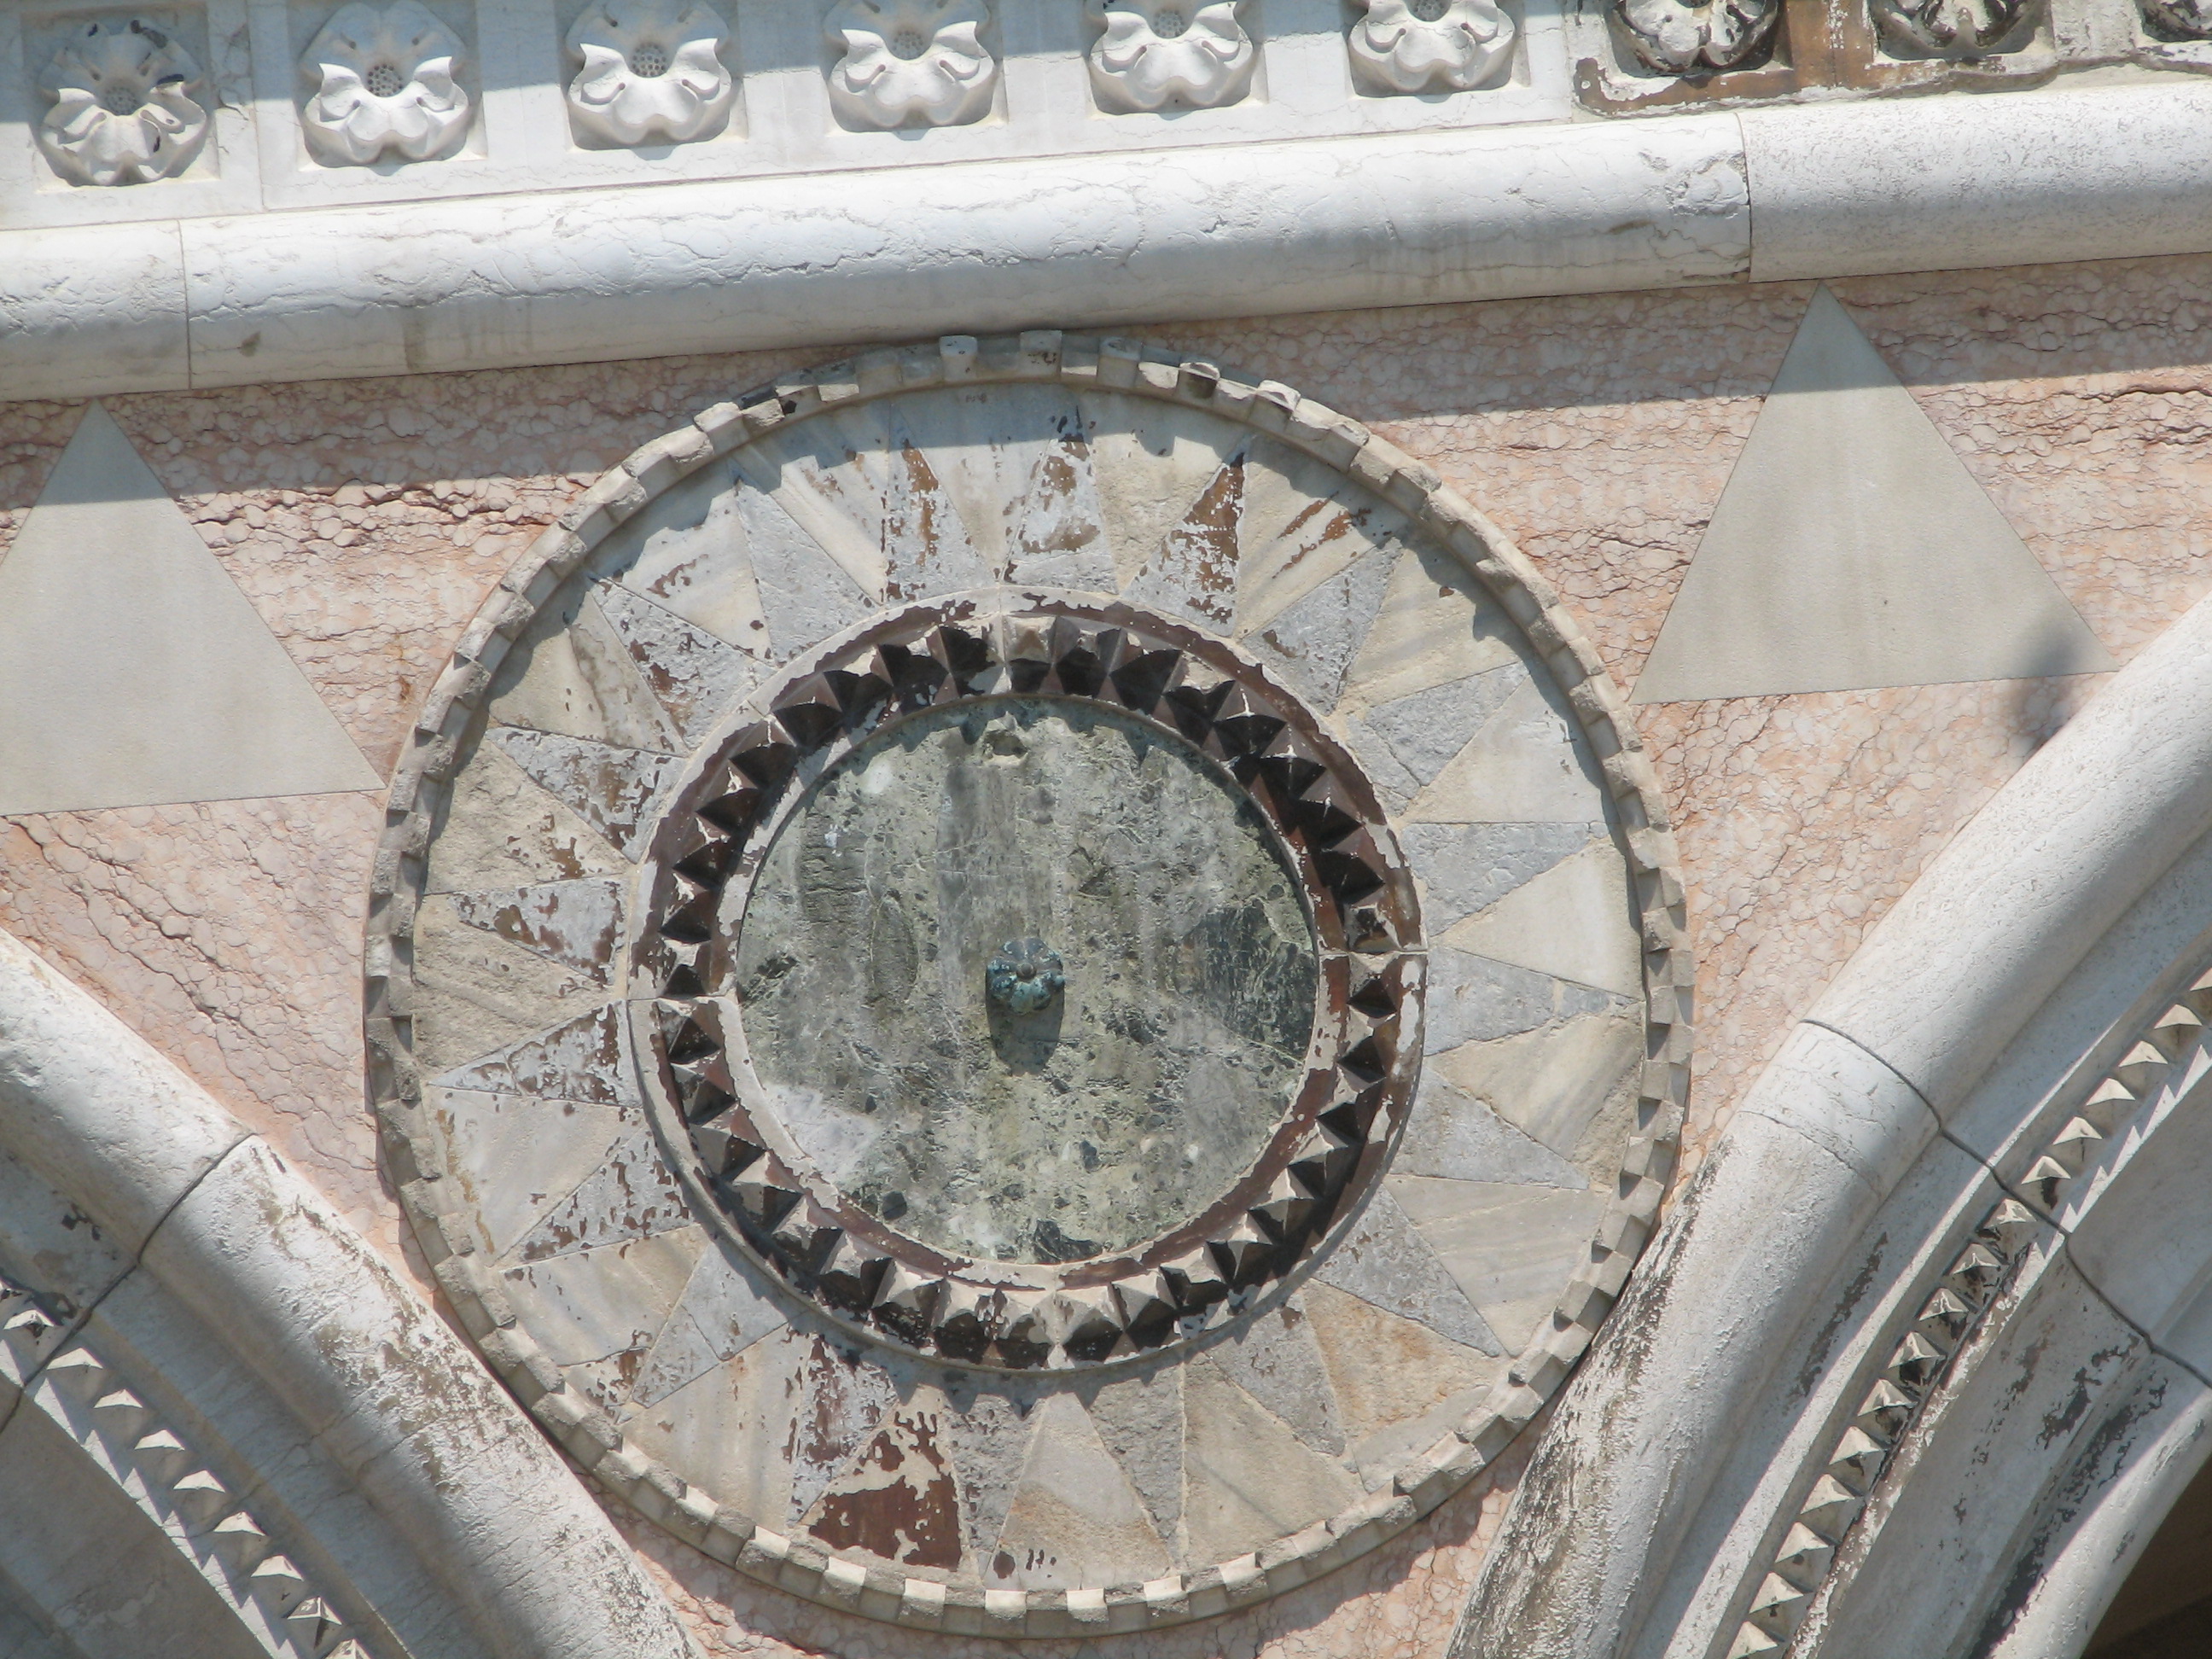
(1132, 1101)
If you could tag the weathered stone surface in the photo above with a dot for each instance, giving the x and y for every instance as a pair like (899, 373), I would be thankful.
(1464, 868)
(1303, 524)
(573, 924)
(1075, 1519)
(1524, 766)
(733, 1429)
(1124, 1105)
(694, 674)
(1574, 922)
(725, 1311)
(1311, 642)
(497, 827)
(1272, 1357)
(804, 594)
(478, 993)
(988, 1430)
(1388, 1372)
(1554, 1083)
(1435, 626)
(1511, 1248)
(518, 1154)
(1249, 1479)
(1383, 1260)
(633, 1195)
(1425, 729)
(612, 789)
(1139, 1418)
(571, 672)
(47, 1245)
(1151, 461)
(896, 490)
(1455, 1135)
(1471, 998)
(837, 1401)
(581, 1059)
(687, 550)
(605, 1301)
(1013, 462)
(897, 1500)
(1192, 575)
(1056, 528)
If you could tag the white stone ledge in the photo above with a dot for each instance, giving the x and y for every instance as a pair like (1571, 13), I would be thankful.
(604, 274)
(1979, 179)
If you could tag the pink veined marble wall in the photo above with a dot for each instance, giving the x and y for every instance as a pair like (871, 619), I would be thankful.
(366, 521)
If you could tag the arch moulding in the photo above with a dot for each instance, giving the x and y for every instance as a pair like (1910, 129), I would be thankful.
(1920, 1356)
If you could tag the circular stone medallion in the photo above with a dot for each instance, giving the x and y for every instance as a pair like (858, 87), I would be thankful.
(1021, 1180)
(1028, 989)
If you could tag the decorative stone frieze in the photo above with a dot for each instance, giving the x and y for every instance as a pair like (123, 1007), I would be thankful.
(811, 728)
(1921, 27)
(1429, 45)
(384, 85)
(1155, 53)
(1676, 38)
(123, 111)
(911, 62)
(652, 70)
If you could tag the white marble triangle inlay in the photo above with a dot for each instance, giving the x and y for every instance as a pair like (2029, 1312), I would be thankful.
(1852, 549)
(133, 673)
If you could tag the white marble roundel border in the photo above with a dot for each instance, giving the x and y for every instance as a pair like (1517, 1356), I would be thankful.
(438, 1205)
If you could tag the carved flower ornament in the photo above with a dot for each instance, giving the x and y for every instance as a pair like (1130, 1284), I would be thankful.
(1430, 45)
(385, 84)
(121, 114)
(1947, 26)
(912, 61)
(1678, 38)
(653, 69)
(1155, 50)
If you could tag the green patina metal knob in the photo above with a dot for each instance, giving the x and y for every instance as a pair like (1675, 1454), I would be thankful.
(1026, 975)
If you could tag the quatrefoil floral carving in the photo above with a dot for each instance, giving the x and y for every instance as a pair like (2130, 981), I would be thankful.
(1677, 37)
(123, 113)
(1156, 52)
(1429, 45)
(384, 85)
(1944, 26)
(653, 69)
(911, 62)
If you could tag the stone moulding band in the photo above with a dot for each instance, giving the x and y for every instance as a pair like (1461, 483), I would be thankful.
(607, 274)
(1328, 827)
(426, 768)
(1964, 1307)
(119, 1433)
